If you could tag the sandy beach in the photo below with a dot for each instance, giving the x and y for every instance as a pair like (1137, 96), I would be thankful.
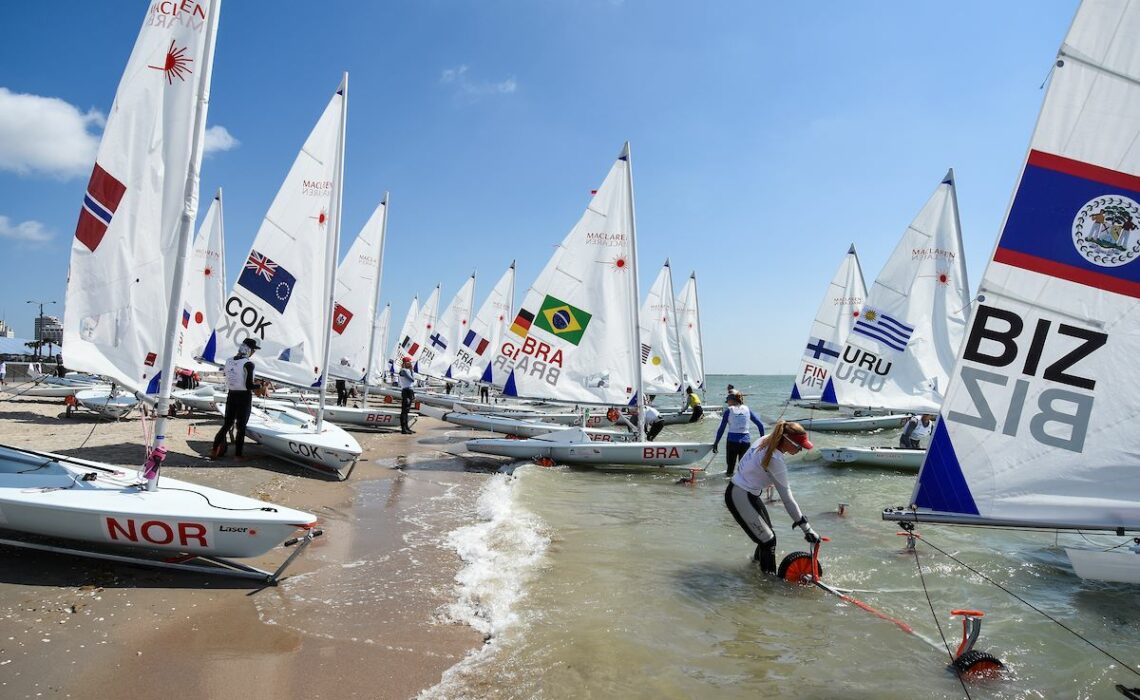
(362, 613)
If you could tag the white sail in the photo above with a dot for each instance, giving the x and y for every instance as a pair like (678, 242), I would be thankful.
(689, 334)
(575, 335)
(423, 327)
(1038, 425)
(357, 285)
(279, 297)
(833, 320)
(660, 346)
(128, 254)
(406, 341)
(204, 290)
(900, 351)
(379, 363)
(450, 330)
(472, 357)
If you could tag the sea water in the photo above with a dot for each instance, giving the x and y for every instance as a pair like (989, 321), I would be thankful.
(596, 584)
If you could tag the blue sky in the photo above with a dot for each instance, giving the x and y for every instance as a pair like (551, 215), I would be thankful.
(766, 136)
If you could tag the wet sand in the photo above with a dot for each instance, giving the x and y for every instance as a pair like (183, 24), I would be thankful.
(361, 614)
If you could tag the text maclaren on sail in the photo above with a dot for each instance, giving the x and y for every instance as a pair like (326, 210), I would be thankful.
(993, 342)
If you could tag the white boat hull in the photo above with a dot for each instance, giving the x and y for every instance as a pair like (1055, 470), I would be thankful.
(1120, 566)
(363, 417)
(200, 399)
(56, 388)
(46, 494)
(851, 424)
(291, 435)
(516, 426)
(574, 447)
(106, 404)
(884, 457)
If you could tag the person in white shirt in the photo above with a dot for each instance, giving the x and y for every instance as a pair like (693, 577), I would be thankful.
(238, 372)
(762, 466)
(915, 430)
(653, 422)
(407, 380)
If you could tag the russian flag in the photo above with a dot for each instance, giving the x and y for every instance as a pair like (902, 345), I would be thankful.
(100, 202)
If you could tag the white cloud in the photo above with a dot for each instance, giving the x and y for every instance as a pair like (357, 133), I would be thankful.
(218, 139)
(46, 135)
(459, 77)
(25, 231)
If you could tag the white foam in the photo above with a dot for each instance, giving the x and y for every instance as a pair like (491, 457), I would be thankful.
(499, 552)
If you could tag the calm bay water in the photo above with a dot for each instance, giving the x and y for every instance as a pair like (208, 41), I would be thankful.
(617, 584)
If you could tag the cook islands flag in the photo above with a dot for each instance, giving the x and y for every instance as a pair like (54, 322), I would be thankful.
(267, 281)
(563, 320)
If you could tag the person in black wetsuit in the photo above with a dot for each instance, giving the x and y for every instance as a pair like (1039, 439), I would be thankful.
(238, 371)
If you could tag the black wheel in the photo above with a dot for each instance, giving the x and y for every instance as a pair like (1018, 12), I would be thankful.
(978, 664)
(796, 566)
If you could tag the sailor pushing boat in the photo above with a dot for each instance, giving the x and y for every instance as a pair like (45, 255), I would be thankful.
(239, 373)
(762, 466)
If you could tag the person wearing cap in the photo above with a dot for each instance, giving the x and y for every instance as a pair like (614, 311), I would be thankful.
(762, 466)
(238, 372)
(407, 379)
(735, 417)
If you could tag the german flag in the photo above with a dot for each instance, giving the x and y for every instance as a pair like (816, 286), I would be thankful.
(521, 326)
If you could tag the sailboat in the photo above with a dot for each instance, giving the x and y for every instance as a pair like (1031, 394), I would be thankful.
(576, 337)
(1037, 427)
(284, 298)
(353, 330)
(473, 356)
(660, 346)
(689, 336)
(900, 350)
(836, 315)
(443, 341)
(128, 260)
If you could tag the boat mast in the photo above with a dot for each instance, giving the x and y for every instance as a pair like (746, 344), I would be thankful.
(676, 327)
(185, 226)
(333, 246)
(376, 298)
(635, 324)
(221, 241)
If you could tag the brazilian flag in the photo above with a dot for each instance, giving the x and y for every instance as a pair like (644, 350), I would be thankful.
(563, 320)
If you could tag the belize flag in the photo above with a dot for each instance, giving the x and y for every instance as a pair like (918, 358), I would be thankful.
(267, 281)
(1075, 221)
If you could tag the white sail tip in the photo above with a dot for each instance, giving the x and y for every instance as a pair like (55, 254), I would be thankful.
(624, 155)
(949, 179)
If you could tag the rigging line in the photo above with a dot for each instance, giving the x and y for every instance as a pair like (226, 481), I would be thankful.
(938, 623)
(1033, 607)
(210, 503)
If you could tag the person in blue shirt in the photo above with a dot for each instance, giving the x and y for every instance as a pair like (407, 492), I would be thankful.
(735, 417)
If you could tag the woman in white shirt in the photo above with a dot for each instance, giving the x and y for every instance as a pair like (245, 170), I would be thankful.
(763, 466)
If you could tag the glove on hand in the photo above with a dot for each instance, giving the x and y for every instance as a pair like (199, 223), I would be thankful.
(716, 449)
(809, 534)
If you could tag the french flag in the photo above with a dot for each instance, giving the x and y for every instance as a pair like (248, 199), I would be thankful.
(100, 202)
(476, 342)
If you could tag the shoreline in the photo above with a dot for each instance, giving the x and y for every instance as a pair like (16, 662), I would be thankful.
(359, 614)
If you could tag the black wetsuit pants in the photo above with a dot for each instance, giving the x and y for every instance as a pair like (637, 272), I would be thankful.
(748, 510)
(654, 429)
(238, 406)
(733, 451)
(407, 398)
(698, 411)
(341, 393)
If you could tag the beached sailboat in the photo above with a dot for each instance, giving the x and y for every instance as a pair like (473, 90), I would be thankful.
(836, 315)
(900, 351)
(451, 328)
(576, 337)
(472, 361)
(689, 336)
(1036, 430)
(412, 345)
(131, 246)
(284, 298)
(358, 286)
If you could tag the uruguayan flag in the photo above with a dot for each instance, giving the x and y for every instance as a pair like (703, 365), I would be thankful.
(889, 331)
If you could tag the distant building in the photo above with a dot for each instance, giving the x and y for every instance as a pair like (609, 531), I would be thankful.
(49, 329)
(6, 331)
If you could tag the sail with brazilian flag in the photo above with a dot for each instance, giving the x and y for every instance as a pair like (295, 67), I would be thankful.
(574, 336)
